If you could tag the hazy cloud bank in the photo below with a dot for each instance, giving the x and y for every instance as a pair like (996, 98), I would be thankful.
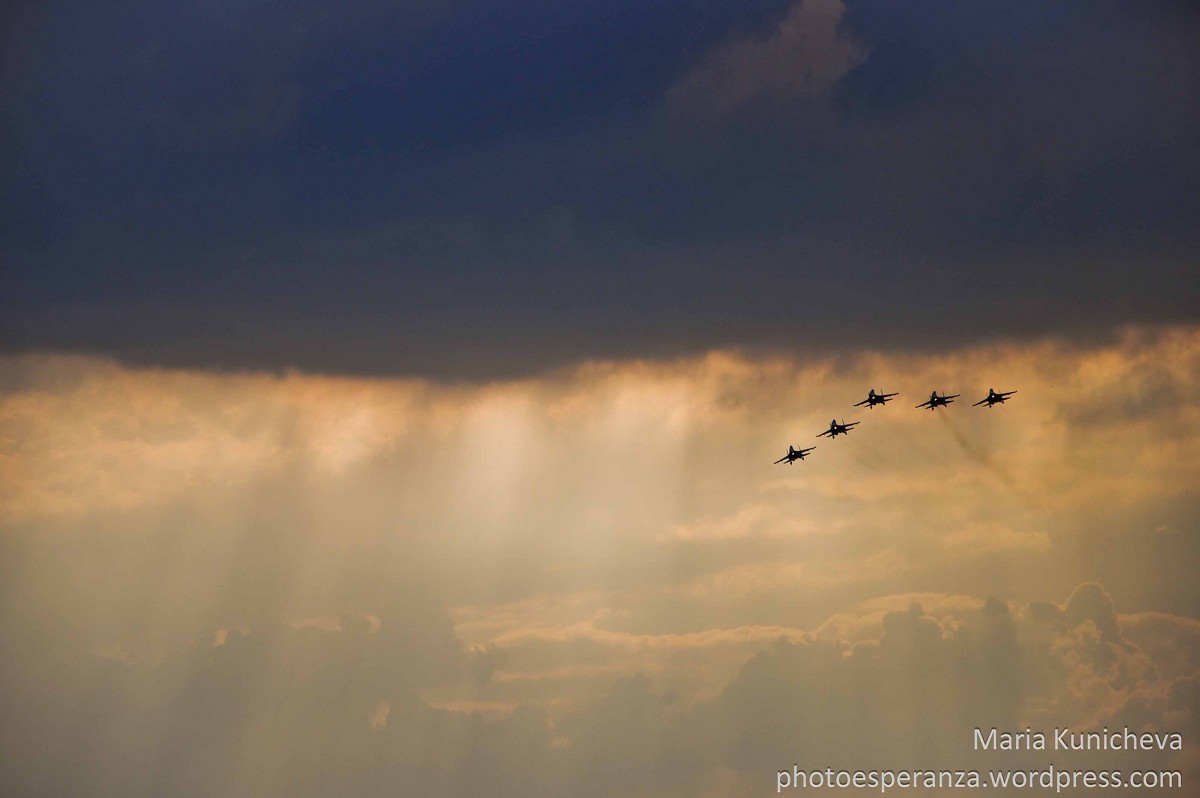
(591, 583)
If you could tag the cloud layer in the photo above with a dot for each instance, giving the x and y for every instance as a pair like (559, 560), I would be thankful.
(594, 583)
(487, 189)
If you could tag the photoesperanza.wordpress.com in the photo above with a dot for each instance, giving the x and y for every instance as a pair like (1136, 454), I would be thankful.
(1042, 778)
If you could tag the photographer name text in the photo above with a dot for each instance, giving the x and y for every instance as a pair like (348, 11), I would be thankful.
(1065, 739)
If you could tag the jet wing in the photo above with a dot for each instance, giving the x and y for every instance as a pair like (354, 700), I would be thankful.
(863, 402)
(780, 460)
(826, 432)
(982, 401)
(926, 403)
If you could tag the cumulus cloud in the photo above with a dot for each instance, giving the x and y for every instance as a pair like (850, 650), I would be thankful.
(804, 57)
(820, 702)
(309, 711)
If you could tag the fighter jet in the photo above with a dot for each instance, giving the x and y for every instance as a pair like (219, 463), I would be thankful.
(875, 399)
(936, 401)
(794, 454)
(836, 429)
(994, 398)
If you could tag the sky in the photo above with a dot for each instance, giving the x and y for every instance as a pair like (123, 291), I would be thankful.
(389, 393)
(480, 190)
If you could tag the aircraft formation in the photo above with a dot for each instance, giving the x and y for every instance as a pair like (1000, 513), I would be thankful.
(934, 401)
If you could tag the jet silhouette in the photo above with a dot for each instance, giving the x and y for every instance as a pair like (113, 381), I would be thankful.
(793, 455)
(994, 398)
(936, 401)
(836, 429)
(875, 399)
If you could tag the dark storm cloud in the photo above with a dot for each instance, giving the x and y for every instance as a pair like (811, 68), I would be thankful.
(477, 189)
